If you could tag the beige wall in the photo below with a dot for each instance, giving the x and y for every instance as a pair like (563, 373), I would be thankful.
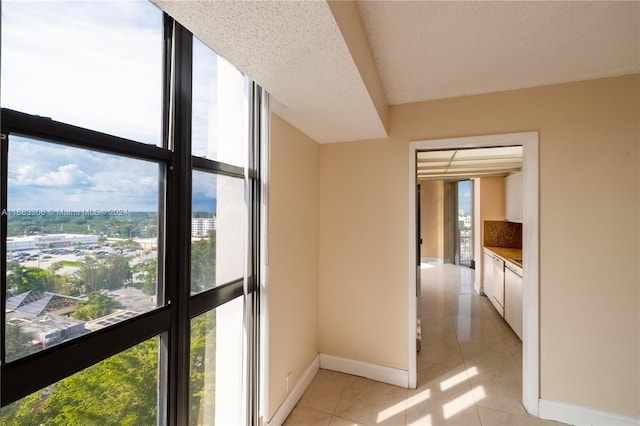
(490, 205)
(292, 278)
(589, 244)
(364, 252)
(432, 218)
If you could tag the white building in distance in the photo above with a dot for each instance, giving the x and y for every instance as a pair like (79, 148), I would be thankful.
(53, 240)
(200, 226)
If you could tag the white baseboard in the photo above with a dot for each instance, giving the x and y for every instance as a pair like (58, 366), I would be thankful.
(476, 287)
(380, 373)
(576, 415)
(294, 396)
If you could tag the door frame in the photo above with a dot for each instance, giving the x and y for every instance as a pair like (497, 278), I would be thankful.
(530, 245)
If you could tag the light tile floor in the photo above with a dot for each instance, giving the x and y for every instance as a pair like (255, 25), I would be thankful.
(469, 369)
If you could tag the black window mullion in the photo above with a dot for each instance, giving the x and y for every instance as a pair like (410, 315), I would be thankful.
(179, 236)
(36, 371)
(37, 127)
(252, 291)
(4, 176)
(163, 295)
(211, 299)
(206, 165)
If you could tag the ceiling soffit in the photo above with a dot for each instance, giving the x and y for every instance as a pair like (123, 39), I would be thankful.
(297, 52)
(334, 66)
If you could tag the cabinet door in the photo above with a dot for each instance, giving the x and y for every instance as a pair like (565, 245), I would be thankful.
(487, 276)
(497, 295)
(513, 301)
(513, 195)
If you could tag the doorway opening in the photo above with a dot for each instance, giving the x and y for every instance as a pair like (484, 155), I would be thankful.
(530, 243)
(463, 224)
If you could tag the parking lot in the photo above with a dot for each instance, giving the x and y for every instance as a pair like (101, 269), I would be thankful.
(73, 257)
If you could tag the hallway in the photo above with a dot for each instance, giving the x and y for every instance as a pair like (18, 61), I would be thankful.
(469, 369)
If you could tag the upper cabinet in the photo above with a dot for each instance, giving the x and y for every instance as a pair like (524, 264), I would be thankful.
(513, 195)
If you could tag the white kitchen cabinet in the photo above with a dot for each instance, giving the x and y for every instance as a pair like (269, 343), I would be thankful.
(513, 298)
(513, 198)
(497, 286)
(487, 274)
(493, 277)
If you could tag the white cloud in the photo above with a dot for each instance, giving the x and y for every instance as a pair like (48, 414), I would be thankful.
(52, 177)
(68, 175)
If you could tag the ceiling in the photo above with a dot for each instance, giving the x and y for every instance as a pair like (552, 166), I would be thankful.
(334, 67)
(468, 163)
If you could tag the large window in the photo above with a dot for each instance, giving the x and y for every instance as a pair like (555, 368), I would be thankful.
(128, 194)
(93, 64)
(81, 242)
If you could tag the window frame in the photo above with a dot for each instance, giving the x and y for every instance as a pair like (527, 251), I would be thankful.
(176, 306)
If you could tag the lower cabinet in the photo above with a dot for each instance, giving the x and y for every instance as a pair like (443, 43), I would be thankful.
(493, 277)
(497, 286)
(487, 275)
(513, 298)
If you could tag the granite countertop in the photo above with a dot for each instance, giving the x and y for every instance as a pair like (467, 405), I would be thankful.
(511, 255)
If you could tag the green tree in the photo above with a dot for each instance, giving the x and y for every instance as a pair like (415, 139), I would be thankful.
(203, 263)
(118, 271)
(18, 343)
(148, 272)
(21, 279)
(203, 341)
(107, 273)
(92, 274)
(35, 279)
(121, 390)
(97, 305)
(15, 272)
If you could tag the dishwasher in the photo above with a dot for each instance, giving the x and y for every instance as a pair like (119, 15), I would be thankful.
(497, 289)
(513, 298)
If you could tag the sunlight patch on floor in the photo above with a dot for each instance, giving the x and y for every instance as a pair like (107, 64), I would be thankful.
(463, 402)
(394, 410)
(458, 378)
(412, 401)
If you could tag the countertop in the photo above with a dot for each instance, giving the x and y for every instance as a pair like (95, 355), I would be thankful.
(510, 255)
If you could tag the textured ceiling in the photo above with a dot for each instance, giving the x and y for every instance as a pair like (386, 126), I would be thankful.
(431, 50)
(314, 56)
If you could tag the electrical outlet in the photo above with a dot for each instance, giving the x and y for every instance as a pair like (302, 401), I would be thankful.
(288, 381)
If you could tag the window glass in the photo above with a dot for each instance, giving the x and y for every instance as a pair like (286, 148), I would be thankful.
(96, 65)
(217, 366)
(220, 108)
(217, 230)
(122, 389)
(81, 246)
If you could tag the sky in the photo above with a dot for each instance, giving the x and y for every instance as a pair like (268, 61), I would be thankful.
(464, 196)
(97, 65)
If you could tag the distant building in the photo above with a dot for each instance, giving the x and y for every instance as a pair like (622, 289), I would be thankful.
(464, 220)
(53, 240)
(43, 315)
(147, 244)
(200, 226)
